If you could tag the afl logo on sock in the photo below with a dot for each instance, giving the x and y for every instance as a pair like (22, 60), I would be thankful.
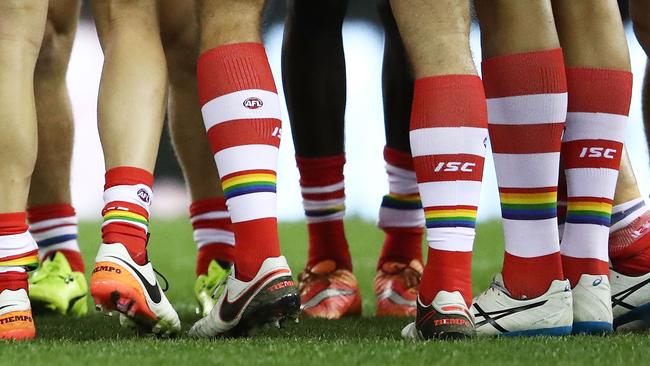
(143, 195)
(253, 103)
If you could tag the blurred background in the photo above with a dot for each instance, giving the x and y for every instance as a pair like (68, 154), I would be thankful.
(364, 171)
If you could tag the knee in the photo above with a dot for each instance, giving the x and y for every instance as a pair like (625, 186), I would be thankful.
(55, 51)
(127, 13)
(24, 34)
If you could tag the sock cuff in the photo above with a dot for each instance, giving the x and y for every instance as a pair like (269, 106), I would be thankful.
(397, 158)
(233, 67)
(13, 281)
(537, 72)
(320, 171)
(206, 205)
(13, 223)
(126, 175)
(448, 101)
(48, 212)
(599, 90)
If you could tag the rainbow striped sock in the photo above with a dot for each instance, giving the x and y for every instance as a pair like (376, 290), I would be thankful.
(450, 216)
(528, 203)
(247, 182)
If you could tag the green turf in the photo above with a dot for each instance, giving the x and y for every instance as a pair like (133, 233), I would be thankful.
(99, 340)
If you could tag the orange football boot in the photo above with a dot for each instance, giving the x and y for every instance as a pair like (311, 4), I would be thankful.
(396, 288)
(328, 292)
(16, 321)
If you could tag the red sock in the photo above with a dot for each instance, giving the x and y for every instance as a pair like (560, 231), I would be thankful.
(13, 281)
(527, 99)
(448, 132)
(54, 227)
(400, 215)
(212, 233)
(241, 113)
(323, 194)
(127, 197)
(17, 247)
(599, 103)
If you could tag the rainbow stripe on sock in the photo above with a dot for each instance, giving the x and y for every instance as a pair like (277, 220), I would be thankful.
(589, 210)
(528, 203)
(122, 215)
(325, 211)
(28, 260)
(402, 201)
(450, 216)
(248, 181)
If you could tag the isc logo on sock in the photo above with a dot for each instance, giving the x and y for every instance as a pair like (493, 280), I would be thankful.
(455, 166)
(597, 152)
(253, 103)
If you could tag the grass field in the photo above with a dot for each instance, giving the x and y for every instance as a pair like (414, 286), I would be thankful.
(97, 339)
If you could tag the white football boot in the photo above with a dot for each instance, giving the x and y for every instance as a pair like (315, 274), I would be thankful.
(592, 305)
(447, 317)
(119, 283)
(630, 301)
(269, 298)
(498, 314)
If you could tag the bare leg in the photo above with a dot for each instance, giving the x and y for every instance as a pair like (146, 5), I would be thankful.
(214, 237)
(51, 179)
(132, 93)
(22, 23)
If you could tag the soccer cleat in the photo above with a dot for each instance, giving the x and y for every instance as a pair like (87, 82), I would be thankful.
(207, 287)
(396, 288)
(592, 305)
(55, 287)
(328, 292)
(16, 321)
(447, 317)
(497, 313)
(118, 283)
(630, 301)
(269, 298)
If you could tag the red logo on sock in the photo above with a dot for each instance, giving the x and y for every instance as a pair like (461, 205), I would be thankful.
(253, 103)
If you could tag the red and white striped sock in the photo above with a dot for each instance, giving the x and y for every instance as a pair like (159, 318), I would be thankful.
(401, 216)
(241, 112)
(323, 198)
(212, 233)
(54, 227)
(18, 250)
(599, 102)
(448, 137)
(527, 101)
(127, 198)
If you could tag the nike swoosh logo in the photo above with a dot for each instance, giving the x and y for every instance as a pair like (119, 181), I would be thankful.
(491, 317)
(618, 299)
(6, 306)
(152, 289)
(229, 311)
